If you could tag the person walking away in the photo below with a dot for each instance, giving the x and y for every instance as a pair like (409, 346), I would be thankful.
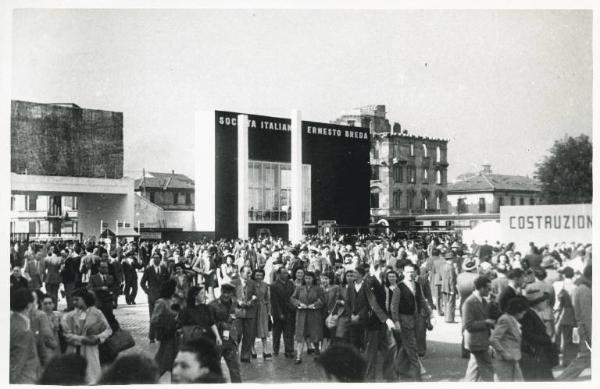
(84, 329)
(565, 318)
(71, 276)
(476, 330)
(547, 311)
(506, 341)
(52, 278)
(449, 288)
(465, 285)
(151, 283)
(407, 303)
(582, 302)
(283, 312)
(332, 299)
(197, 318)
(224, 313)
(24, 361)
(163, 320)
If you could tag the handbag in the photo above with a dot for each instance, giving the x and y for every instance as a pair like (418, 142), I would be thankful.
(331, 321)
(119, 341)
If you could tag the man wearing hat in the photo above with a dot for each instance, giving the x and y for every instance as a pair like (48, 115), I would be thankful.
(224, 310)
(546, 308)
(448, 274)
(516, 279)
(465, 285)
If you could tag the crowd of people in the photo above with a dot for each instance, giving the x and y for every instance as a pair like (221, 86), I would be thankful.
(346, 300)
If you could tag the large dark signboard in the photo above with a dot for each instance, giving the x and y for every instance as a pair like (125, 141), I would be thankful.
(59, 140)
(338, 156)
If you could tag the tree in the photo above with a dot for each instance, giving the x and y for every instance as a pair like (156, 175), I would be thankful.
(566, 174)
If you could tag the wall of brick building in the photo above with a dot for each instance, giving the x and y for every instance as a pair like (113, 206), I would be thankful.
(57, 140)
(387, 185)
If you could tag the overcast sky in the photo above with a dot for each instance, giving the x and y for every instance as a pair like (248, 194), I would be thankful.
(502, 86)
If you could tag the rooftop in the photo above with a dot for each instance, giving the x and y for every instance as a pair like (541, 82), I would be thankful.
(165, 181)
(495, 182)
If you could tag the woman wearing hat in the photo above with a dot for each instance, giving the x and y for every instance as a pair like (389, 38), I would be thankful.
(538, 355)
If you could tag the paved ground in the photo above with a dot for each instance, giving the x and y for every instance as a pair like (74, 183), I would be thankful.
(442, 362)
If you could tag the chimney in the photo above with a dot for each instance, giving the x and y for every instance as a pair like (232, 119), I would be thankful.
(487, 169)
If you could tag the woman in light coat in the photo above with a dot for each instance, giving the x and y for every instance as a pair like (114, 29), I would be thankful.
(506, 341)
(84, 329)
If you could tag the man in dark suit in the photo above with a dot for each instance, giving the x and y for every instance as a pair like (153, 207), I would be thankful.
(246, 297)
(24, 360)
(436, 287)
(151, 283)
(476, 330)
(357, 309)
(516, 279)
(17, 281)
(407, 303)
(376, 331)
(103, 286)
(283, 312)
(449, 287)
(71, 276)
(35, 268)
(131, 278)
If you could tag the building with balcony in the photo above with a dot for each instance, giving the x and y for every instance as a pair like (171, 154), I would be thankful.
(408, 172)
(478, 197)
(66, 171)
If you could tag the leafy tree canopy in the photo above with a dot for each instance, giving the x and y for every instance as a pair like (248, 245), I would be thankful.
(566, 173)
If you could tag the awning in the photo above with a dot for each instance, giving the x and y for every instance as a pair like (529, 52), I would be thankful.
(126, 231)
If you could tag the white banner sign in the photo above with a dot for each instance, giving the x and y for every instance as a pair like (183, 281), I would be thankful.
(546, 224)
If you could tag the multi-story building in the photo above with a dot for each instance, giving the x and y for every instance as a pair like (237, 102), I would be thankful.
(164, 202)
(66, 171)
(408, 172)
(479, 197)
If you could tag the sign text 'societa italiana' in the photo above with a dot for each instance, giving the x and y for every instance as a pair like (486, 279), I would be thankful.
(312, 128)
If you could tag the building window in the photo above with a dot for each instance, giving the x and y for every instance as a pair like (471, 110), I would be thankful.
(425, 201)
(151, 197)
(31, 202)
(12, 203)
(438, 201)
(438, 154)
(397, 199)
(461, 206)
(396, 150)
(425, 151)
(482, 205)
(269, 191)
(188, 199)
(513, 201)
(351, 123)
(411, 172)
(425, 175)
(375, 172)
(181, 199)
(501, 201)
(397, 173)
(532, 201)
(410, 200)
(376, 150)
(412, 149)
(375, 198)
(521, 201)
